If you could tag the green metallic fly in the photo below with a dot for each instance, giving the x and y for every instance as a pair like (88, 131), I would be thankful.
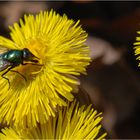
(10, 59)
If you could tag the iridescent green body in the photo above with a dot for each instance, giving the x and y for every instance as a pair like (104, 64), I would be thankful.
(14, 57)
(9, 59)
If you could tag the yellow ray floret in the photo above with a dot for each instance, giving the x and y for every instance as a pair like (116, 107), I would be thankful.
(71, 122)
(59, 43)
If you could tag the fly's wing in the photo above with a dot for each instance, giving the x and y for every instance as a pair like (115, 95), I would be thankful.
(3, 64)
(3, 50)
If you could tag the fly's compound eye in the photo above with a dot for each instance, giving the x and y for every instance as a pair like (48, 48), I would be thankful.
(28, 56)
(26, 53)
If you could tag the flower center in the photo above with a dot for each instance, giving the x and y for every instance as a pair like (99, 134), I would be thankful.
(36, 46)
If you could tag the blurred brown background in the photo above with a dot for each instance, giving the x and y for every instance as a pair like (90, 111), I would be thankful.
(113, 80)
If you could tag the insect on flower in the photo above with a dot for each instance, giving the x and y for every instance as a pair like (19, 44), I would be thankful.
(11, 58)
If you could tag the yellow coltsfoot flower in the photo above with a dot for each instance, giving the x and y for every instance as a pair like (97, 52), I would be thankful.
(71, 122)
(59, 44)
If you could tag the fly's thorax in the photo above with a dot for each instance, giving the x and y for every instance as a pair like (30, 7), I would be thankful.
(13, 56)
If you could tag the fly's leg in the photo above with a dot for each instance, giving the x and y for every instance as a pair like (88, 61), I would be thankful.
(5, 73)
(10, 69)
(19, 74)
(32, 64)
(6, 77)
(36, 64)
